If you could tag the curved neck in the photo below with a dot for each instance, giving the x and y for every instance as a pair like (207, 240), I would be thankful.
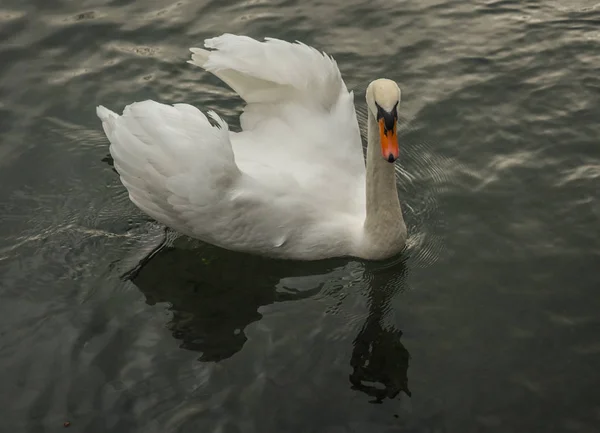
(384, 222)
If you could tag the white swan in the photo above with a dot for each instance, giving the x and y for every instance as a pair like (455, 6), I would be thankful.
(292, 184)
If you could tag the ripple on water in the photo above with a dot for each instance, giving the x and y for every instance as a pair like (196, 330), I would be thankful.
(10, 15)
(429, 176)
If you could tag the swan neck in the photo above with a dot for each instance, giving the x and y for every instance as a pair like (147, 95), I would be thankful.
(382, 193)
(384, 222)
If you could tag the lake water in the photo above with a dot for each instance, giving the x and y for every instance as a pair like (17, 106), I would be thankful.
(489, 323)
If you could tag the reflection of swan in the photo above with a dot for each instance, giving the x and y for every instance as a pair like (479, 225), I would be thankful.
(378, 356)
(293, 182)
(215, 294)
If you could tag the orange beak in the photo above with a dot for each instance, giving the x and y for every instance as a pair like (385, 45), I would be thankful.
(389, 142)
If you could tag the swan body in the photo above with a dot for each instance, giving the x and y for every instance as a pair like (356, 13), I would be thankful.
(293, 182)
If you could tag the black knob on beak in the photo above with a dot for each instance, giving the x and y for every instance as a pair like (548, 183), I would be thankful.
(391, 158)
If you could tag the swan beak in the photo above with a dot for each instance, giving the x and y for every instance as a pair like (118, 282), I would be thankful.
(389, 141)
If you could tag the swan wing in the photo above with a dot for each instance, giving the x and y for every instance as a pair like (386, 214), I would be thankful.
(180, 169)
(271, 71)
(174, 163)
(299, 115)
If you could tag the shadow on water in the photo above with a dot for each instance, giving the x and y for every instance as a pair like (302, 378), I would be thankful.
(215, 294)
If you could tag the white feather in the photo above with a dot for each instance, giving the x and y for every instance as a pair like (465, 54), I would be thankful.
(291, 184)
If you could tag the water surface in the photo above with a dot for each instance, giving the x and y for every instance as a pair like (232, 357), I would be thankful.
(489, 322)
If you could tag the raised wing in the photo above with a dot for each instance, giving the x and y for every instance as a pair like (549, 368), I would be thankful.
(271, 71)
(299, 115)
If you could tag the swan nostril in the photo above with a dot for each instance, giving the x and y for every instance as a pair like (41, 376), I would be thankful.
(391, 158)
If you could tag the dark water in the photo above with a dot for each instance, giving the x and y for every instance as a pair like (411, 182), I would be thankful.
(489, 323)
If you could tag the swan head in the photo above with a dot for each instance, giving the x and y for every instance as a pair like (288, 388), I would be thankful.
(383, 100)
